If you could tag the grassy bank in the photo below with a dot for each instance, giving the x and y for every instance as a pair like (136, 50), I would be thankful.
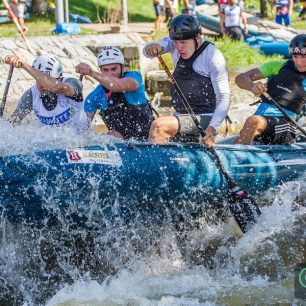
(237, 54)
(240, 55)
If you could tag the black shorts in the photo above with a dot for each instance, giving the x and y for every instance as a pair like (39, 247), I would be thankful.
(159, 10)
(278, 131)
(188, 131)
(234, 33)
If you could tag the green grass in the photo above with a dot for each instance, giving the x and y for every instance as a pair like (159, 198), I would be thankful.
(142, 11)
(36, 27)
(138, 10)
(237, 54)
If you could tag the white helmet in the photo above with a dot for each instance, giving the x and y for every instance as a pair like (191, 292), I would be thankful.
(49, 65)
(110, 55)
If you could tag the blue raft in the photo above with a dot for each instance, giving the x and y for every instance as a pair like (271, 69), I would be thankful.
(138, 180)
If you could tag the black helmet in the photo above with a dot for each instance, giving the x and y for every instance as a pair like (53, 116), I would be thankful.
(298, 45)
(184, 27)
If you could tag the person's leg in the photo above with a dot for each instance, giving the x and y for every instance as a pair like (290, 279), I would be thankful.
(253, 127)
(235, 33)
(163, 128)
(157, 8)
(302, 13)
(279, 19)
(287, 20)
(20, 15)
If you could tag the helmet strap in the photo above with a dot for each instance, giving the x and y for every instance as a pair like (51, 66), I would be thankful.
(196, 44)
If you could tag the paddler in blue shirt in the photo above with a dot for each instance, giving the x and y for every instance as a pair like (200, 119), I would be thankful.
(120, 96)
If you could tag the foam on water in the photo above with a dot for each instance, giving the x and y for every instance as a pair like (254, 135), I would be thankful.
(169, 280)
(30, 138)
(208, 265)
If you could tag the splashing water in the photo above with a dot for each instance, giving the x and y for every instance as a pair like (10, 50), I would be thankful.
(109, 262)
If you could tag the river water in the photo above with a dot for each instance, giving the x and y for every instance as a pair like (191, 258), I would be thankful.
(59, 263)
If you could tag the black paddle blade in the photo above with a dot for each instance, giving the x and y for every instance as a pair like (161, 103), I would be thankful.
(243, 208)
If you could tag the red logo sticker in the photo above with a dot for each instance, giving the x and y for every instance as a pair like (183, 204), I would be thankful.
(74, 156)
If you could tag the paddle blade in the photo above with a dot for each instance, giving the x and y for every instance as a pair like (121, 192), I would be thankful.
(243, 208)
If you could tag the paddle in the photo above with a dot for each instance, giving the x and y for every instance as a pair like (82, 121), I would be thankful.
(243, 208)
(286, 116)
(6, 89)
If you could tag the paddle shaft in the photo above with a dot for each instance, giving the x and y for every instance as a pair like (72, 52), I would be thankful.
(286, 116)
(6, 89)
(242, 207)
(230, 182)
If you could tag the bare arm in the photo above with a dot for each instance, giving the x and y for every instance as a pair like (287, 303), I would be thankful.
(109, 82)
(42, 79)
(23, 108)
(244, 21)
(246, 81)
(222, 19)
(115, 84)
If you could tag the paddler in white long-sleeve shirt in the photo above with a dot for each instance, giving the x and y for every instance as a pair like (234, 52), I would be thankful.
(200, 72)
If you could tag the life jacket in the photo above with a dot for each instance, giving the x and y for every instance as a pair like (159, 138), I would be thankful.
(288, 88)
(198, 89)
(232, 16)
(131, 121)
(67, 110)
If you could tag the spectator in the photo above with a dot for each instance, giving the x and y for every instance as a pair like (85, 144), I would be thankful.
(170, 9)
(189, 7)
(18, 8)
(303, 11)
(230, 21)
(283, 11)
(159, 6)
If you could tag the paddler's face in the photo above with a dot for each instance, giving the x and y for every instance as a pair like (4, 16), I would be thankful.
(187, 47)
(300, 62)
(113, 70)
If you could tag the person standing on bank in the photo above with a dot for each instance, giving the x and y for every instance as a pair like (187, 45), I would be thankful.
(120, 96)
(200, 72)
(18, 7)
(55, 100)
(159, 7)
(231, 17)
(287, 86)
(284, 10)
